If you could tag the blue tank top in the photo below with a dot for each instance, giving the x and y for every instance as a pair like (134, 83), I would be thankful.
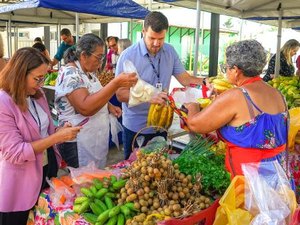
(264, 131)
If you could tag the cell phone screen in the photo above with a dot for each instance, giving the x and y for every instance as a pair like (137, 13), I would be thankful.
(83, 122)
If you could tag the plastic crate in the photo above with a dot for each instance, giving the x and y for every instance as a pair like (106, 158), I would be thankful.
(204, 217)
(296, 217)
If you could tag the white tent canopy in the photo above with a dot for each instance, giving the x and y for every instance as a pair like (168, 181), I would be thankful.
(262, 10)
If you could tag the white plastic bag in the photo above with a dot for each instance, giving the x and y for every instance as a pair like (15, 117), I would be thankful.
(142, 91)
(115, 128)
(269, 197)
(189, 94)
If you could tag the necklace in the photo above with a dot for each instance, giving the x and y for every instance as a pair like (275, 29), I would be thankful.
(251, 80)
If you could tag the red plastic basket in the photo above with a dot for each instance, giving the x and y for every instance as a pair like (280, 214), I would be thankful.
(296, 217)
(204, 217)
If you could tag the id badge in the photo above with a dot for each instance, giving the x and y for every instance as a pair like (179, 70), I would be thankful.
(159, 86)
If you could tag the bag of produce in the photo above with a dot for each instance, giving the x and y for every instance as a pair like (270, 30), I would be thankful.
(142, 91)
(190, 94)
(86, 174)
(269, 196)
(231, 210)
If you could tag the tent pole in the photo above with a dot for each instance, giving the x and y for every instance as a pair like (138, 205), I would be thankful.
(241, 29)
(58, 28)
(131, 29)
(77, 26)
(16, 38)
(202, 41)
(150, 5)
(7, 39)
(277, 60)
(197, 39)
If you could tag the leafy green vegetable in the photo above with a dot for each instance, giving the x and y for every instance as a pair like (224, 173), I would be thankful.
(197, 158)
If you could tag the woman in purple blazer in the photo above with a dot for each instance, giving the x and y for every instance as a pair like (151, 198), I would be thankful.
(27, 136)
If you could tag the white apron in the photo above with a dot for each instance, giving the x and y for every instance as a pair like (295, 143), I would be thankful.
(93, 138)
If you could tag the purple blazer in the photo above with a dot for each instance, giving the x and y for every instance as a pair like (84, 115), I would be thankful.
(21, 170)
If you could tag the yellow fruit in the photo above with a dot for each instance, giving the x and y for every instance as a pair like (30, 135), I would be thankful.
(52, 82)
(159, 115)
(163, 117)
(170, 117)
(204, 102)
(150, 112)
(222, 82)
(220, 88)
(156, 114)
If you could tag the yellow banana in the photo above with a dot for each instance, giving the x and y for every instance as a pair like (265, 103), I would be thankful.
(150, 112)
(169, 117)
(156, 114)
(220, 87)
(222, 82)
(163, 117)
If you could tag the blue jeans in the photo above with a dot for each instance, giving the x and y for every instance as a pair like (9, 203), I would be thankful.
(128, 136)
(69, 153)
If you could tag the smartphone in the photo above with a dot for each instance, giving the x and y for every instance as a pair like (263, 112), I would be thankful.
(82, 122)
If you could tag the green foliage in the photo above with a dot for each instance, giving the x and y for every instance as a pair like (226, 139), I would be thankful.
(196, 159)
(190, 59)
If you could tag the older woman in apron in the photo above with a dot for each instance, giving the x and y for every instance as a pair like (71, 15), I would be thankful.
(79, 95)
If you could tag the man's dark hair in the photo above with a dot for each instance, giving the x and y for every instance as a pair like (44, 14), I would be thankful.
(38, 39)
(66, 32)
(157, 21)
(39, 46)
(109, 38)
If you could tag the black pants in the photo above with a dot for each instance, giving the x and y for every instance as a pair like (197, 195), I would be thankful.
(21, 217)
(14, 218)
(69, 153)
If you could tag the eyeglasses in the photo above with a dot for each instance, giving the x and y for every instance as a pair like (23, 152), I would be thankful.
(100, 58)
(39, 80)
(223, 68)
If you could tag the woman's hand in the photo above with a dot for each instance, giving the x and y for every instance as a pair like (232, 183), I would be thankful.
(160, 98)
(126, 80)
(67, 132)
(115, 110)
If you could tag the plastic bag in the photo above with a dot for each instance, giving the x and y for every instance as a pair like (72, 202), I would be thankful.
(269, 197)
(87, 173)
(294, 126)
(230, 211)
(115, 128)
(60, 192)
(190, 94)
(142, 91)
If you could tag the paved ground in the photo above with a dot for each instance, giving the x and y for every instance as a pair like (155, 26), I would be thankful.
(114, 156)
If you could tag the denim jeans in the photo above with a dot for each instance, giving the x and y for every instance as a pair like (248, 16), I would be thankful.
(128, 136)
(69, 153)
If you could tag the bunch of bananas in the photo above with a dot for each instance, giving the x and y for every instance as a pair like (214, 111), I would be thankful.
(221, 84)
(204, 102)
(160, 115)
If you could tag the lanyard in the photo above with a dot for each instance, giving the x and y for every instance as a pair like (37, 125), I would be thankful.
(154, 69)
(37, 118)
